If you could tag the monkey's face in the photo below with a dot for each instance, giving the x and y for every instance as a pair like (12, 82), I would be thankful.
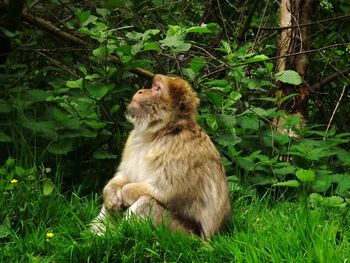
(150, 105)
(169, 99)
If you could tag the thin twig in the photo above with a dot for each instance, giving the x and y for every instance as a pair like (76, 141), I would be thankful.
(292, 54)
(335, 109)
(49, 27)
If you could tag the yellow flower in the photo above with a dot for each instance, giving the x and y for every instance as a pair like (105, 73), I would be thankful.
(13, 181)
(257, 220)
(49, 234)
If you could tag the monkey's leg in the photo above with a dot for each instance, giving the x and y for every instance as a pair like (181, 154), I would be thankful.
(97, 225)
(148, 207)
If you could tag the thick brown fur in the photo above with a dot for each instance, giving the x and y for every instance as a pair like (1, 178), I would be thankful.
(169, 166)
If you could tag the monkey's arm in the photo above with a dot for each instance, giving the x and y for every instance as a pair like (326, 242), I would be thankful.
(112, 193)
(133, 191)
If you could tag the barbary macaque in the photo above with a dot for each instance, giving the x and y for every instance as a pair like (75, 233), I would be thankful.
(170, 169)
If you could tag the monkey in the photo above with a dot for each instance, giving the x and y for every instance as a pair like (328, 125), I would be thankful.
(169, 168)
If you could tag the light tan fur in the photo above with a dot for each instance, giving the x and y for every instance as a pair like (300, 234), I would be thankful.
(170, 168)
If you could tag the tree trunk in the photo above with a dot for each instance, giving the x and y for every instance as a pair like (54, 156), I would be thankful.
(292, 40)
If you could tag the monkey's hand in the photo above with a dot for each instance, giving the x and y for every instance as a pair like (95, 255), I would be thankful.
(133, 191)
(112, 194)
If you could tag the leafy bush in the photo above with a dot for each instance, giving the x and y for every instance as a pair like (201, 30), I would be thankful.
(66, 107)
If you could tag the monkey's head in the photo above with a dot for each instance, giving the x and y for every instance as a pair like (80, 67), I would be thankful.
(169, 99)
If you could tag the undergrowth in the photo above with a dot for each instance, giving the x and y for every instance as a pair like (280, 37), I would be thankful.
(40, 224)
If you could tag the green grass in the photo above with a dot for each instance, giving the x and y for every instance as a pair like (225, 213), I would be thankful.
(284, 232)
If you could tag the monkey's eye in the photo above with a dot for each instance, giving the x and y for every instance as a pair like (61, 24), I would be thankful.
(157, 88)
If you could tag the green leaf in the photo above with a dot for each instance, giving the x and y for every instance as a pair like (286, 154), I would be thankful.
(35, 95)
(344, 157)
(228, 138)
(151, 46)
(323, 181)
(290, 183)
(215, 98)
(75, 83)
(5, 228)
(103, 12)
(46, 128)
(101, 52)
(96, 124)
(306, 175)
(183, 47)
(249, 122)
(228, 120)
(4, 137)
(20, 171)
(97, 91)
(176, 42)
(211, 121)
(331, 201)
(83, 70)
(283, 169)
(343, 182)
(126, 59)
(136, 48)
(61, 147)
(257, 58)
(246, 163)
(100, 154)
(226, 47)
(289, 76)
(89, 20)
(217, 83)
(5, 107)
(196, 64)
(198, 29)
(48, 187)
(189, 73)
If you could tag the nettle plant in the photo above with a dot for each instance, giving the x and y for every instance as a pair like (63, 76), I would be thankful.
(291, 155)
(81, 115)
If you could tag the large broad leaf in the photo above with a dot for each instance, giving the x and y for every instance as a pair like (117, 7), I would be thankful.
(5, 228)
(176, 42)
(48, 187)
(306, 175)
(61, 147)
(289, 76)
(215, 98)
(246, 163)
(197, 63)
(46, 128)
(151, 46)
(36, 95)
(249, 122)
(86, 18)
(97, 91)
(228, 138)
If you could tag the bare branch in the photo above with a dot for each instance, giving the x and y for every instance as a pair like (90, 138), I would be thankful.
(49, 27)
(329, 78)
(305, 24)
